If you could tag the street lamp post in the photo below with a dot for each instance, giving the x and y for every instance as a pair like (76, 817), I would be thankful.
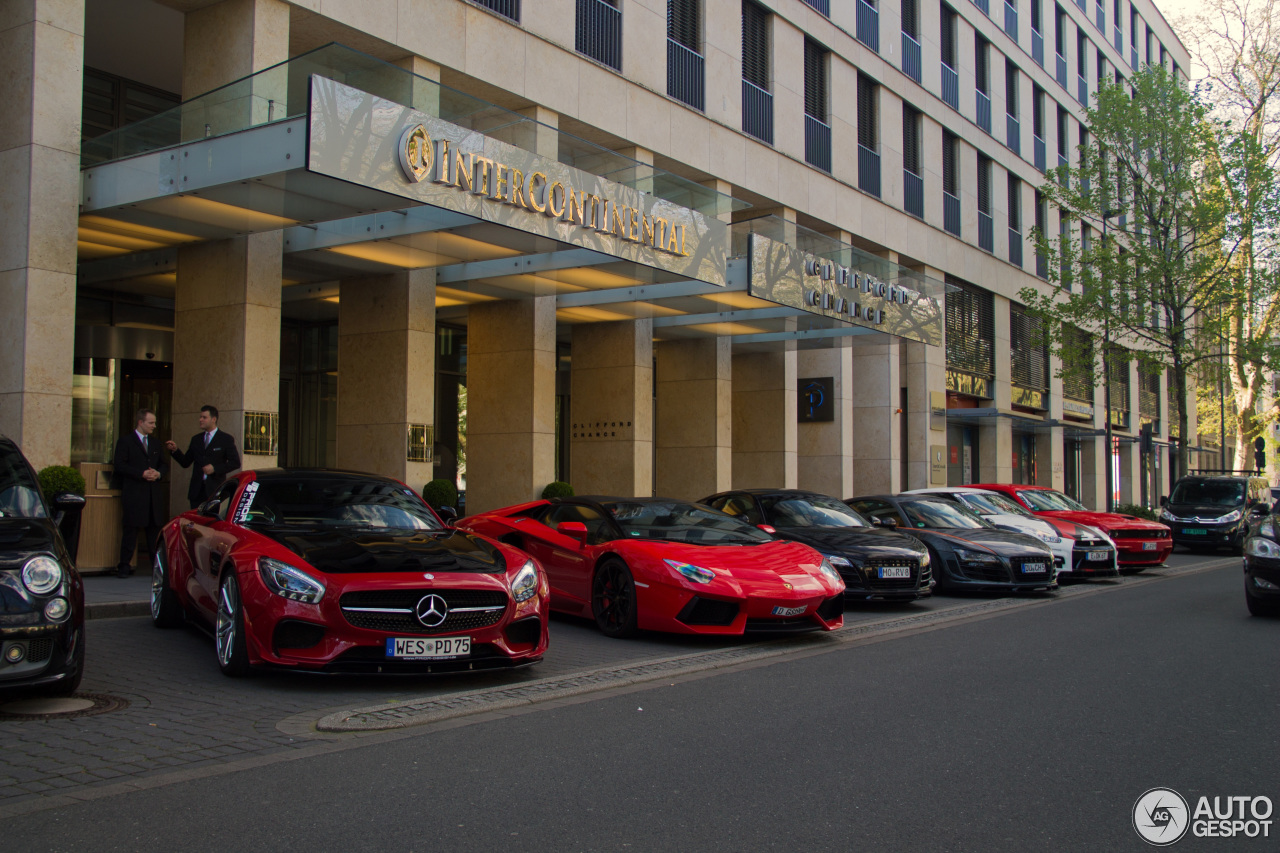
(1106, 367)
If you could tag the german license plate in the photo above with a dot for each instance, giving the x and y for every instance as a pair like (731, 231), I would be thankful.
(1034, 568)
(895, 571)
(434, 648)
(789, 611)
(1194, 531)
(1097, 556)
(1149, 546)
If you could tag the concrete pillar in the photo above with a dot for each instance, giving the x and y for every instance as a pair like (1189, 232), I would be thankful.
(824, 449)
(225, 42)
(926, 383)
(422, 90)
(764, 419)
(542, 137)
(226, 342)
(511, 391)
(695, 428)
(1051, 446)
(611, 418)
(386, 374)
(42, 42)
(1130, 455)
(877, 452)
(995, 456)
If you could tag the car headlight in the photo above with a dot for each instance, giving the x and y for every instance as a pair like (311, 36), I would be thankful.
(827, 569)
(837, 560)
(289, 582)
(1234, 515)
(525, 583)
(1256, 546)
(697, 574)
(1267, 528)
(1165, 515)
(924, 560)
(977, 558)
(41, 575)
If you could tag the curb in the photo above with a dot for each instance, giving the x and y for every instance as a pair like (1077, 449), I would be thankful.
(116, 609)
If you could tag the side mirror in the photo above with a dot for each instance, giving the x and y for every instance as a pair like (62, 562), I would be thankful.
(448, 515)
(68, 502)
(889, 522)
(1258, 510)
(1164, 500)
(575, 530)
(209, 509)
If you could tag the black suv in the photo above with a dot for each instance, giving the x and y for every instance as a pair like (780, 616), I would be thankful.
(41, 594)
(1212, 511)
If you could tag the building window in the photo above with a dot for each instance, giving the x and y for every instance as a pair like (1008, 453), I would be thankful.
(1077, 384)
(950, 183)
(757, 99)
(1037, 128)
(505, 8)
(911, 54)
(686, 74)
(1060, 45)
(970, 322)
(1013, 128)
(949, 46)
(111, 102)
(913, 178)
(823, 6)
(598, 32)
(986, 229)
(1042, 229)
(817, 132)
(1030, 368)
(982, 79)
(1015, 220)
(868, 135)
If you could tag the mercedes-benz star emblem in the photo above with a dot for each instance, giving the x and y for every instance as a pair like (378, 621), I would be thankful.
(431, 611)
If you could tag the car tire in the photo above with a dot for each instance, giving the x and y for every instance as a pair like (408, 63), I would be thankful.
(613, 599)
(229, 638)
(166, 612)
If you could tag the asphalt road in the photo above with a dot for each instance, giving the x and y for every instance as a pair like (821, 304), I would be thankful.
(1034, 728)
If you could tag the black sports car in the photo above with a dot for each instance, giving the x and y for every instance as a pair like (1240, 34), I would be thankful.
(876, 564)
(41, 594)
(966, 552)
(1262, 567)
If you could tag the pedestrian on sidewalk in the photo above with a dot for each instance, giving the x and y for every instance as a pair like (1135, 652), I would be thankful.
(139, 466)
(212, 452)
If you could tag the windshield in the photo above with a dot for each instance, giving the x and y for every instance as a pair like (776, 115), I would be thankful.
(991, 504)
(940, 514)
(1047, 500)
(19, 491)
(682, 522)
(811, 511)
(334, 502)
(1211, 492)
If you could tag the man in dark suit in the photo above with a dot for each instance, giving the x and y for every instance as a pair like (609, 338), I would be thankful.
(139, 465)
(212, 452)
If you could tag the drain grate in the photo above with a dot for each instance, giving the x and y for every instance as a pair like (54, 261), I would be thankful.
(61, 707)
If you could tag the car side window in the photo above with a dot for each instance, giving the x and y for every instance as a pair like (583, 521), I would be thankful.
(740, 506)
(224, 496)
(597, 525)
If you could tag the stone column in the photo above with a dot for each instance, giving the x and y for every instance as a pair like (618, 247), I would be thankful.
(42, 43)
(877, 443)
(511, 396)
(422, 90)
(1051, 446)
(694, 433)
(824, 450)
(228, 41)
(386, 374)
(926, 376)
(764, 419)
(995, 456)
(611, 418)
(226, 341)
(1130, 453)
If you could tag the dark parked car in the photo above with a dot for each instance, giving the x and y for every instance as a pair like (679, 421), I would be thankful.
(1213, 511)
(1262, 567)
(966, 552)
(41, 594)
(876, 564)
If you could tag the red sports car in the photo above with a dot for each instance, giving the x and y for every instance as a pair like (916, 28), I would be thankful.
(1139, 542)
(334, 571)
(664, 565)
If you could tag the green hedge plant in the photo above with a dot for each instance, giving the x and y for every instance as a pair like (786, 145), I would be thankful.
(557, 489)
(1138, 510)
(440, 493)
(60, 479)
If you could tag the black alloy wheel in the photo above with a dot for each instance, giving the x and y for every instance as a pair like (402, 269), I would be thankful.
(233, 655)
(166, 612)
(613, 599)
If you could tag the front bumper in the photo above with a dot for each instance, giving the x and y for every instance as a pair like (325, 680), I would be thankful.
(1135, 552)
(1213, 535)
(50, 654)
(1082, 566)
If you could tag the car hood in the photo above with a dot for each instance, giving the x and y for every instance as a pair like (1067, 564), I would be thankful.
(860, 543)
(1105, 521)
(766, 568)
(366, 551)
(1002, 542)
(1021, 524)
(1206, 511)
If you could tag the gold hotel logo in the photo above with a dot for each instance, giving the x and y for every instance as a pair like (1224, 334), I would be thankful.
(423, 158)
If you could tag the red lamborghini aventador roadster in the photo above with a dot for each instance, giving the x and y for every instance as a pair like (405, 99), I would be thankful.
(666, 565)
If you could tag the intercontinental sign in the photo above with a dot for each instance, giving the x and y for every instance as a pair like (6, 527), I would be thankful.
(378, 143)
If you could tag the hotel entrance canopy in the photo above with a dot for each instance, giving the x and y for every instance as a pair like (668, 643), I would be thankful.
(368, 169)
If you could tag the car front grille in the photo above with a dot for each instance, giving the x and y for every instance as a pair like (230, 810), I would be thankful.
(990, 574)
(1139, 534)
(39, 650)
(393, 610)
(708, 611)
(876, 582)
